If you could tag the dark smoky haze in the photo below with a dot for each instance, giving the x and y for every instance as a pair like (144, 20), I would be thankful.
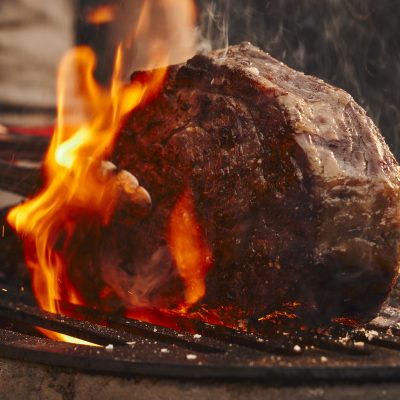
(352, 44)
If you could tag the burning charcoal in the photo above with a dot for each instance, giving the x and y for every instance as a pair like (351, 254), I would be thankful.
(295, 193)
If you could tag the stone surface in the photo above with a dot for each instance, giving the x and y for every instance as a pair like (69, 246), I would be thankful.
(19, 380)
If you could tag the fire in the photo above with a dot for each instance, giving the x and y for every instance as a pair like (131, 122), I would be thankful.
(65, 338)
(73, 181)
(78, 196)
(101, 14)
(192, 256)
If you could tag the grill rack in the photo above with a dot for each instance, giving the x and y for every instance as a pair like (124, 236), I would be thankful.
(134, 348)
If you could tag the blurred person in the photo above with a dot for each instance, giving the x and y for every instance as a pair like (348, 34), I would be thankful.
(34, 34)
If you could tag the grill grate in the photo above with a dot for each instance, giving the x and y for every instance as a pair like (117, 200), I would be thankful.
(140, 348)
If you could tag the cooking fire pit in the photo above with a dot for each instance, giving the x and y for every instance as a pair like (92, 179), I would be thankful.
(186, 349)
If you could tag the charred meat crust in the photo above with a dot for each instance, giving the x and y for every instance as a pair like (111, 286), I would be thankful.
(294, 186)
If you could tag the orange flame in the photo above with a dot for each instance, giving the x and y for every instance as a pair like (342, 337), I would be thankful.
(192, 256)
(101, 14)
(71, 168)
(61, 337)
(76, 189)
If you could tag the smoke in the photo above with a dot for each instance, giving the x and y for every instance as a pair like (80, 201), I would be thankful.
(213, 25)
(141, 289)
(152, 34)
(353, 44)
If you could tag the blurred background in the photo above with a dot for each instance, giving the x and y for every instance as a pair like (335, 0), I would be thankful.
(353, 44)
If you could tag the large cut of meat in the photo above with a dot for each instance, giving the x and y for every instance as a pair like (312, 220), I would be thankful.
(294, 188)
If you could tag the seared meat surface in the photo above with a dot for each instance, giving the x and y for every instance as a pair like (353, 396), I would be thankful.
(294, 188)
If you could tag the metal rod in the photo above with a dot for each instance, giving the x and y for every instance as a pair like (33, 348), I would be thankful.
(81, 329)
(22, 147)
(20, 180)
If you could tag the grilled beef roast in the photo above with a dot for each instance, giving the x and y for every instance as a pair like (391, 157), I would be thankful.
(294, 188)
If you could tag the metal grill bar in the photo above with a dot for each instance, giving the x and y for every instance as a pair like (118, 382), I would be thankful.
(146, 349)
